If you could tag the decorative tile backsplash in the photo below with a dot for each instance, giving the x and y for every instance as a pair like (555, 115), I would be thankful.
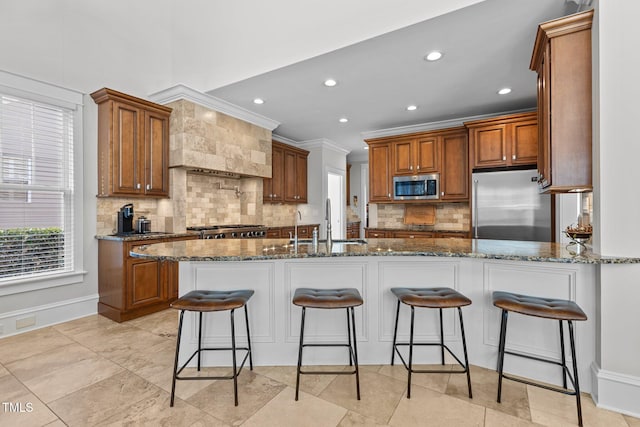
(449, 217)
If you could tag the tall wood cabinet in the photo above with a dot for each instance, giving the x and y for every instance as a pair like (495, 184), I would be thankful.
(131, 287)
(454, 176)
(288, 182)
(380, 172)
(562, 59)
(503, 141)
(133, 146)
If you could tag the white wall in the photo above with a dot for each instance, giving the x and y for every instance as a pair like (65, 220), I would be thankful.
(616, 202)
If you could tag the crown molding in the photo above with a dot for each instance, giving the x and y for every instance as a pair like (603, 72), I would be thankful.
(443, 124)
(323, 143)
(284, 139)
(181, 91)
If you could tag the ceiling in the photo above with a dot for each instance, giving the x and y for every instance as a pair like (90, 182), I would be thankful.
(486, 46)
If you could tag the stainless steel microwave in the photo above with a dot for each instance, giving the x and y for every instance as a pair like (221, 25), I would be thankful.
(416, 187)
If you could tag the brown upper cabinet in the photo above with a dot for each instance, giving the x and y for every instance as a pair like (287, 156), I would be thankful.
(415, 156)
(288, 182)
(562, 59)
(133, 146)
(504, 141)
(380, 172)
(444, 151)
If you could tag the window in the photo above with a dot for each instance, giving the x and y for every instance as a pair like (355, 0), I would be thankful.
(39, 200)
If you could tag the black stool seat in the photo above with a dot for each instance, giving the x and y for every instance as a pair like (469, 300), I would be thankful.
(549, 308)
(440, 298)
(431, 297)
(205, 301)
(327, 298)
(212, 300)
(341, 298)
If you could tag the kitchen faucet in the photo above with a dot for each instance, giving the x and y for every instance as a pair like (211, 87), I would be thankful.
(295, 229)
(328, 218)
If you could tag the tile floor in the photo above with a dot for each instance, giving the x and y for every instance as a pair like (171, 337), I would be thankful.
(93, 371)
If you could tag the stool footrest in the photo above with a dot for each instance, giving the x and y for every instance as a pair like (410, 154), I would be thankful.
(328, 372)
(430, 371)
(540, 359)
(223, 377)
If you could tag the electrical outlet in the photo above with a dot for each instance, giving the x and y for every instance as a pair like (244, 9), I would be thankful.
(25, 322)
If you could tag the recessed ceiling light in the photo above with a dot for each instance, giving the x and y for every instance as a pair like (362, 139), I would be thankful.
(343, 120)
(330, 82)
(412, 107)
(258, 101)
(504, 91)
(433, 56)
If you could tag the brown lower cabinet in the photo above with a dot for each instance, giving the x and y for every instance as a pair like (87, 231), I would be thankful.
(353, 230)
(304, 231)
(409, 234)
(131, 287)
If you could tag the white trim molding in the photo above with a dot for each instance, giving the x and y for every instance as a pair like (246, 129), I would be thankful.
(424, 127)
(48, 314)
(181, 91)
(322, 143)
(615, 391)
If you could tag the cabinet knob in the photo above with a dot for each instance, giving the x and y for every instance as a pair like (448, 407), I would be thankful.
(504, 157)
(148, 186)
(389, 195)
(418, 167)
(513, 157)
(442, 194)
(137, 186)
(410, 168)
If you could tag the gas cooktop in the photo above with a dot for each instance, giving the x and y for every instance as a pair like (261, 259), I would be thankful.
(230, 231)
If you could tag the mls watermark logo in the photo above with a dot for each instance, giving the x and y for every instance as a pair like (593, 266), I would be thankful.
(17, 407)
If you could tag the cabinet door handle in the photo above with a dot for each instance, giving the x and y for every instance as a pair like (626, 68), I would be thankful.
(513, 157)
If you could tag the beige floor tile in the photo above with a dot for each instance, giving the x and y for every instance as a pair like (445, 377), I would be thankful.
(379, 394)
(27, 409)
(163, 323)
(308, 411)
(353, 419)
(484, 385)
(550, 408)
(633, 422)
(254, 391)
(30, 343)
(117, 344)
(56, 423)
(3, 371)
(86, 324)
(437, 382)
(155, 411)
(114, 397)
(312, 384)
(42, 364)
(429, 408)
(495, 418)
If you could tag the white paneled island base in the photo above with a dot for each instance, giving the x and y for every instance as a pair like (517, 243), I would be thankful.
(275, 321)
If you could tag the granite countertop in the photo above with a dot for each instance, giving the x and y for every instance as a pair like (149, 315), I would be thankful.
(266, 249)
(146, 236)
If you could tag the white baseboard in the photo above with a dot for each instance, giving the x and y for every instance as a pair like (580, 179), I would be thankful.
(617, 392)
(47, 315)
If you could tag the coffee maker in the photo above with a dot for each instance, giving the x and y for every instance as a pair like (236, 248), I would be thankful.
(125, 219)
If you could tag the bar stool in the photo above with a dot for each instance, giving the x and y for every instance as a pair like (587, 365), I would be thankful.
(548, 308)
(430, 298)
(207, 301)
(346, 298)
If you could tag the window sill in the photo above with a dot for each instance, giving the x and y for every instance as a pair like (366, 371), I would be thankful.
(41, 282)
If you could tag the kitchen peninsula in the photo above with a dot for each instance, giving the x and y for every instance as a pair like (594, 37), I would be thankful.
(273, 268)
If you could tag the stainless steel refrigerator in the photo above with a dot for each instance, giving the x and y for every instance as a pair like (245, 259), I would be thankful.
(506, 205)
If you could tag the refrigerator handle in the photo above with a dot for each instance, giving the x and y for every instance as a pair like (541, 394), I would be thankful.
(475, 208)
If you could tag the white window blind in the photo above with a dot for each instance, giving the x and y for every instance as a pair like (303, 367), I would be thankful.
(36, 188)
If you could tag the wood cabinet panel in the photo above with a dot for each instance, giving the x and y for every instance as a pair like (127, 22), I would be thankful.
(504, 141)
(379, 172)
(562, 59)
(288, 182)
(145, 284)
(427, 156)
(353, 230)
(454, 179)
(133, 146)
(405, 234)
(376, 233)
(415, 156)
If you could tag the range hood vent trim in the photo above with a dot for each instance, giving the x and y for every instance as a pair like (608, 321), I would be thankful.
(217, 173)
